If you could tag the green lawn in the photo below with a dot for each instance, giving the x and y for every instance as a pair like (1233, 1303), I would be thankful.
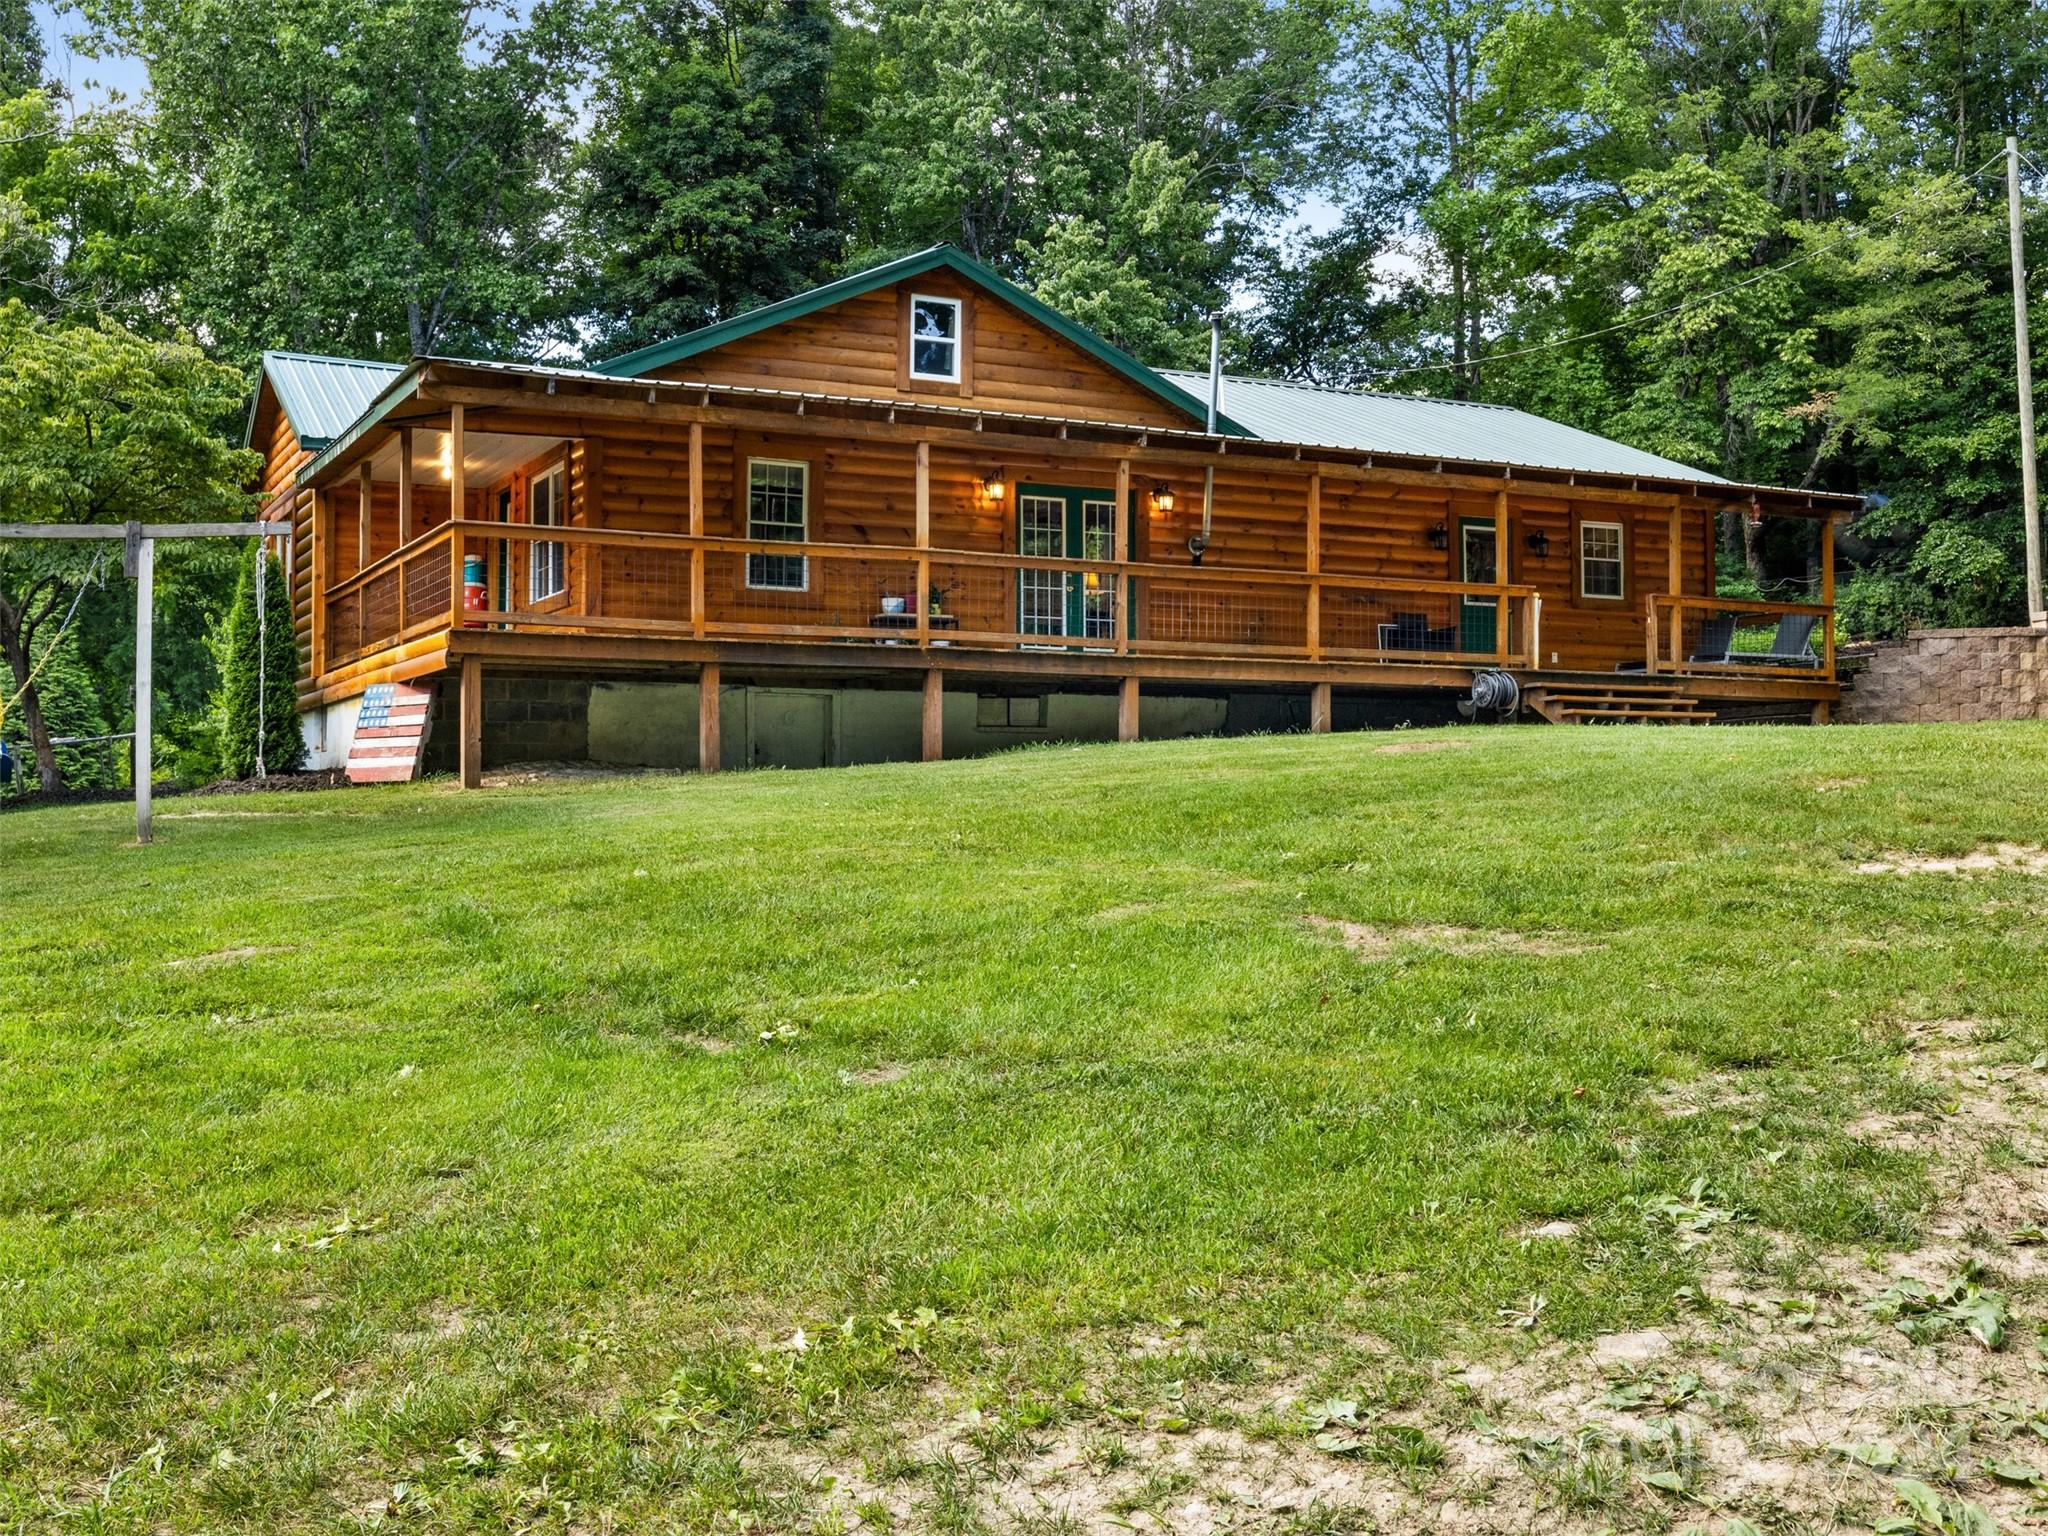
(498, 1145)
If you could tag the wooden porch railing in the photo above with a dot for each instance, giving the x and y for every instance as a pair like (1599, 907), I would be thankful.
(1720, 636)
(622, 581)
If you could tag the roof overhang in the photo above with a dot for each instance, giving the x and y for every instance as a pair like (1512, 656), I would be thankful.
(430, 385)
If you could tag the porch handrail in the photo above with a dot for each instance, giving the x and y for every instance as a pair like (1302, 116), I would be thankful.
(391, 559)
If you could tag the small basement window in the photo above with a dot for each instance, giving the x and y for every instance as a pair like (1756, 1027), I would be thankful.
(934, 338)
(779, 509)
(1600, 560)
(995, 711)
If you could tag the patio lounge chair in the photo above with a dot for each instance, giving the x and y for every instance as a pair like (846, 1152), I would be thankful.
(1717, 638)
(1792, 645)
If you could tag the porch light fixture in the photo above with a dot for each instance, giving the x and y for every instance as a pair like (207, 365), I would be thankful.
(1439, 536)
(1162, 497)
(1539, 544)
(992, 485)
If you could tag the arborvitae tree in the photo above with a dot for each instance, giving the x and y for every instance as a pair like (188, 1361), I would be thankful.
(240, 659)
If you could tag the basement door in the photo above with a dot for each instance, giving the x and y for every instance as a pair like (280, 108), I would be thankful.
(1478, 561)
(1065, 523)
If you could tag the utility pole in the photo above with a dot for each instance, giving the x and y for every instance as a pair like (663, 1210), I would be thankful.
(2037, 614)
(139, 559)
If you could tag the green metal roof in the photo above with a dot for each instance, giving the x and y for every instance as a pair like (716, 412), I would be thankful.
(322, 396)
(1417, 425)
(663, 353)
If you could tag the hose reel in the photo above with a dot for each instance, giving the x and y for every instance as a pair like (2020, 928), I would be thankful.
(1495, 696)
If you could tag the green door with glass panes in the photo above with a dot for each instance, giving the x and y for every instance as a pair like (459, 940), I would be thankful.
(1066, 523)
(1478, 562)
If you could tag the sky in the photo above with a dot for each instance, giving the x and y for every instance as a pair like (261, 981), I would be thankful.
(89, 79)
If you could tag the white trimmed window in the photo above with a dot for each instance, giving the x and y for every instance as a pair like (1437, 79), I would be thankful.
(1600, 560)
(934, 338)
(779, 509)
(547, 506)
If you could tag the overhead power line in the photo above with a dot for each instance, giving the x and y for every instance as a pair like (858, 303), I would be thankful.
(1631, 321)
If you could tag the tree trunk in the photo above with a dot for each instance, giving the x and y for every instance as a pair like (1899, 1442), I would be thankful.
(29, 702)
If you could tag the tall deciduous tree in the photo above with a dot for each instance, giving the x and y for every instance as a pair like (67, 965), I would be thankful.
(711, 174)
(377, 177)
(98, 424)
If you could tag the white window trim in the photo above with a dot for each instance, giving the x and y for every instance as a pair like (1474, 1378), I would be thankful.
(558, 517)
(747, 561)
(1620, 560)
(959, 308)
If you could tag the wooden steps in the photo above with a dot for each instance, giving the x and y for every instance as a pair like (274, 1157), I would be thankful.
(1601, 703)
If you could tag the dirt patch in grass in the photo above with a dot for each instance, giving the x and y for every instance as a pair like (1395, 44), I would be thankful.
(870, 1077)
(228, 956)
(1791, 1391)
(1373, 943)
(1836, 786)
(2016, 858)
(1421, 746)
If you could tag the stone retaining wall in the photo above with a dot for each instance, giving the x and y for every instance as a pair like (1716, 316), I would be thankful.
(1951, 674)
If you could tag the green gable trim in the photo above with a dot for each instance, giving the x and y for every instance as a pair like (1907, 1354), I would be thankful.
(663, 353)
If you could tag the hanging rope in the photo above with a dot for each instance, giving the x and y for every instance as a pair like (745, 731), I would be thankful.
(36, 671)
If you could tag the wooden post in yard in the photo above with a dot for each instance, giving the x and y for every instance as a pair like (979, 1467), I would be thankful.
(1127, 710)
(697, 532)
(933, 729)
(145, 666)
(710, 750)
(472, 722)
(1319, 709)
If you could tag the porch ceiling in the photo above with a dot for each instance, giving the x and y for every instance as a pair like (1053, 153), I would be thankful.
(488, 457)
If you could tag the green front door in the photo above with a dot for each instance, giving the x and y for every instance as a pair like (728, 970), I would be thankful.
(1066, 523)
(1478, 561)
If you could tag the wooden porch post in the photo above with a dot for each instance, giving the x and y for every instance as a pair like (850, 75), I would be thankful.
(1827, 623)
(458, 508)
(697, 615)
(934, 723)
(323, 565)
(924, 542)
(1124, 522)
(1319, 709)
(472, 722)
(1315, 567)
(710, 750)
(1675, 576)
(364, 501)
(406, 530)
(1127, 710)
(1500, 573)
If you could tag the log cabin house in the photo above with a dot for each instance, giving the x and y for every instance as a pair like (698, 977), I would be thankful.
(916, 511)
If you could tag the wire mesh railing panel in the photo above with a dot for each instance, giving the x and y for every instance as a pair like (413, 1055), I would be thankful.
(379, 597)
(344, 625)
(1232, 615)
(1709, 637)
(635, 582)
(426, 586)
(1423, 626)
(810, 591)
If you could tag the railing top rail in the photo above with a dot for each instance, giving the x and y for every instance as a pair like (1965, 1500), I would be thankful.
(1734, 604)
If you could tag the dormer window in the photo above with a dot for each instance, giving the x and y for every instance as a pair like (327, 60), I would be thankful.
(934, 338)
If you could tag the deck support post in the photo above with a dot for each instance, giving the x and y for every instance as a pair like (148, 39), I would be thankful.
(1127, 710)
(1319, 709)
(934, 719)
(710, 749)
(472, 708)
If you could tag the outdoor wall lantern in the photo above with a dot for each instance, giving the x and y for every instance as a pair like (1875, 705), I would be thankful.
(1439, 536)
(992, 485)
(1162, 498)
(1539, 544)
